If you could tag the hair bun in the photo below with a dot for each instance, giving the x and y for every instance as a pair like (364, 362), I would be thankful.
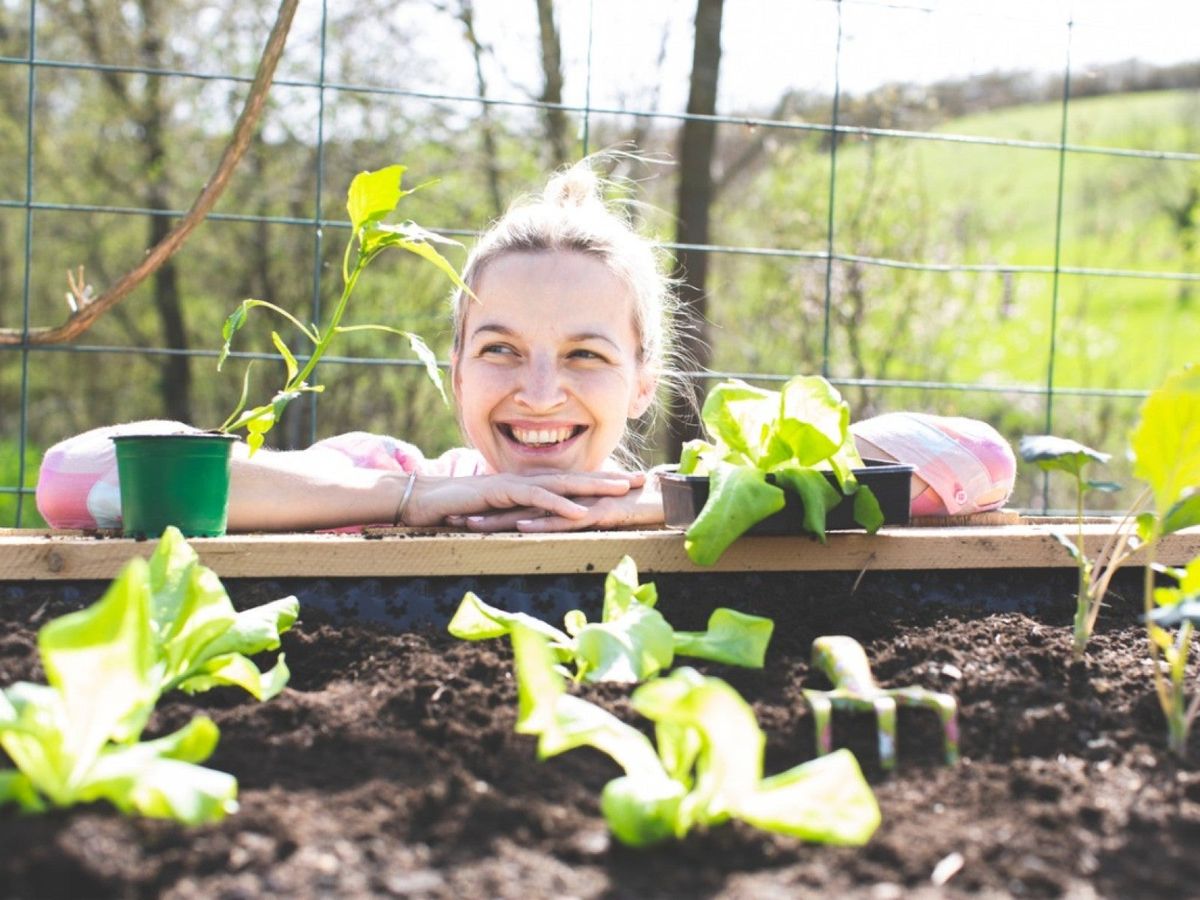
(577, 186)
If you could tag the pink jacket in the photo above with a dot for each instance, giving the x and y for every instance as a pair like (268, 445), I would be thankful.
(78, 488)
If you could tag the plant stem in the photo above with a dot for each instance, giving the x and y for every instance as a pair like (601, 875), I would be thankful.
(328, 336)
(1179, 721)
(1083, 623)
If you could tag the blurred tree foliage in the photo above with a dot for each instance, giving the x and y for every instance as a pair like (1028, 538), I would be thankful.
(131, 123)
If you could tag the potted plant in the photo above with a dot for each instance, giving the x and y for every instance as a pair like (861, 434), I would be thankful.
(778, 462)
(182, 479)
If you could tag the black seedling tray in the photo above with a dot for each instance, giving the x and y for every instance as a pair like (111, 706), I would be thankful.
(685, 495)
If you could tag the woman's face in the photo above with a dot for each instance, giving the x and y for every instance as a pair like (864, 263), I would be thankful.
(548, 370)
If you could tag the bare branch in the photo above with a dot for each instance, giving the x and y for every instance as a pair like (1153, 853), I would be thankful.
(90, 309)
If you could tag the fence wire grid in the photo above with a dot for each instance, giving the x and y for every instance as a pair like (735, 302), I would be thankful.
(832, 115)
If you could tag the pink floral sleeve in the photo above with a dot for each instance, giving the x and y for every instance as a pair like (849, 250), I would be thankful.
(78, 485)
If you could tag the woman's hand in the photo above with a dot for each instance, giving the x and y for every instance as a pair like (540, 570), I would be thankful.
(638, 507)
(508, 498)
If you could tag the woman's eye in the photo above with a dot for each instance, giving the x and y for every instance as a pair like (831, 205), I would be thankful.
(496, 350)
(585, 354)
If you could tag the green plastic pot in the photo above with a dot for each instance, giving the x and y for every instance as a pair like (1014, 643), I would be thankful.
(174, 479)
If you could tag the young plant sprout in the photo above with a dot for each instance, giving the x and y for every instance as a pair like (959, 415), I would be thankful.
(1176, 606)
(1051, 454)
(162, 624)
(373, 196)
(763, 443)
(632, 641)
(844, 662)
(708, 764)
(1165, 447)
(1166, 455)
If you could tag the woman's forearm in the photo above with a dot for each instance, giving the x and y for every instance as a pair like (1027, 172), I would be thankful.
(287, 492)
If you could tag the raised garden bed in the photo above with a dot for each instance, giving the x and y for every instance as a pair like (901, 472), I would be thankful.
(389, 766)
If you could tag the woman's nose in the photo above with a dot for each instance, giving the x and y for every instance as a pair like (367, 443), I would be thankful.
(541, 387)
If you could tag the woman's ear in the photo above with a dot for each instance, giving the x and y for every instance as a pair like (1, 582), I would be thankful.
(647, 385)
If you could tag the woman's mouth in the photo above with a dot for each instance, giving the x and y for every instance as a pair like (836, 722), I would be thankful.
(541, 438)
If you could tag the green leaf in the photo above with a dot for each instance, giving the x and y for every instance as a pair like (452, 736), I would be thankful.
(237, 319)
(729, 764)
(415, 239)
(421, 349)
(289, 361)
(740, 416)
(621, 590)
(475, 620)
(692, 456)
(642, 811)
(159, 778)
(201, 641)
(103, 663)
(373, 196)
(734, 638)
(235, 670)
(232, 325)
(1166, 440)
(563, 722)
(574, 621)
(813, 419)
(1052, 453)
(867, 511)
(1104, 487)
(631, 648)
(825, 800)
(1183, 514)
(539, 686)
(816, 495)
(15, 787)
(1076, 553)
(739, 497)
(1147, 527)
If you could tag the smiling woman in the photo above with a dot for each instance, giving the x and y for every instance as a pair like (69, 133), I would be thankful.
(565, 340)
(565, 336)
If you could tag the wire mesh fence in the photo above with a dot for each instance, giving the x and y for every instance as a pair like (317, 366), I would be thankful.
(948, 208)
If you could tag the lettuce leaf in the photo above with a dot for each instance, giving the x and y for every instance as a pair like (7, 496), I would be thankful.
(797, 436)
(708, 763)
(162, 623)
(632, 642)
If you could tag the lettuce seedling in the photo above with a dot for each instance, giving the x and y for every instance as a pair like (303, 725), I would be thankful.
(1176, 606)
(1051, 454)
(162, 624)
(633, 641)
(373, 196)
(707, 767)
(765, 442)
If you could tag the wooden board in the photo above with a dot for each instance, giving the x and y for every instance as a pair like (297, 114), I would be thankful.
(27, 555)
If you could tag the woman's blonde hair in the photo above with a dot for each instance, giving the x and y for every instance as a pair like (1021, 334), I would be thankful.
(574, 213)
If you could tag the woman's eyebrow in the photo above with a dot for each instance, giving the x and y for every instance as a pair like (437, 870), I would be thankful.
(591, 336)
(493, 328)
(497, 328)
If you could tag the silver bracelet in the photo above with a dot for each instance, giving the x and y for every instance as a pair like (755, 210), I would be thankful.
(398, 518)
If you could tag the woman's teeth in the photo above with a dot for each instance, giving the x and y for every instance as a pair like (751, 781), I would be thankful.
(541, 436)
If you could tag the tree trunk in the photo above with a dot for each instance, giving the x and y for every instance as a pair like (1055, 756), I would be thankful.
(466, 15)
(696, 147)
(175, 371)
(554, 117)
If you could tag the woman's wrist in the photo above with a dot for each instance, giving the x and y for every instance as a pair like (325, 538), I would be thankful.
(405, 497)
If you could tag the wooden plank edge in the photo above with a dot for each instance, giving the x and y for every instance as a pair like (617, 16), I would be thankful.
(31, 557)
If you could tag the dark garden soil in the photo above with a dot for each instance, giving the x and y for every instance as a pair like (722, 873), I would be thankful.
(389, 767)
